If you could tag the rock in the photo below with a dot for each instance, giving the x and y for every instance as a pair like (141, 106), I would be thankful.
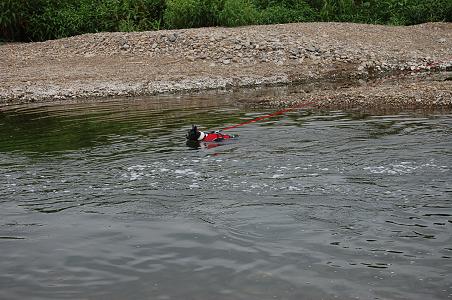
(172, 38)
(202, 55)
(311, 48)
(226, 61)
(294, 51)
(442, 40)
(125, 46)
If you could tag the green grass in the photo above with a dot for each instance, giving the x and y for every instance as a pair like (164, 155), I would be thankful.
(37, 20)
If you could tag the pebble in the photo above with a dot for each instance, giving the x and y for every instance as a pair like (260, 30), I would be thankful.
(125, 46)
(172, 38)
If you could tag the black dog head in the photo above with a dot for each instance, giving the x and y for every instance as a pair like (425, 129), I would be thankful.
(193, 134)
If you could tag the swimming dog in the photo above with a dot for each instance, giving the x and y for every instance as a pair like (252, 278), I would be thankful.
(194, 134)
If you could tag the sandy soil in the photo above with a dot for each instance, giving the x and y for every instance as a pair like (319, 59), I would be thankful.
(338, 64)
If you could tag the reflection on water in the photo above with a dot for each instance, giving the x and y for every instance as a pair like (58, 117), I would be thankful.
(106, 200)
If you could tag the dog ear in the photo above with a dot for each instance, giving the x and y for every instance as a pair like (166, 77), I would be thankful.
(194, 128)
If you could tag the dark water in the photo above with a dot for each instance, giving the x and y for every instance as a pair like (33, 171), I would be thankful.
(105, 201)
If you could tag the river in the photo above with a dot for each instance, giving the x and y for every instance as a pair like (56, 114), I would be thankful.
(106, 201)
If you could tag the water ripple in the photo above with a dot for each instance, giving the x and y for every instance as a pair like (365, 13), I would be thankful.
(106, 201)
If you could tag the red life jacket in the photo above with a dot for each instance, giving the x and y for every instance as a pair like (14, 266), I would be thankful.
(215, 137)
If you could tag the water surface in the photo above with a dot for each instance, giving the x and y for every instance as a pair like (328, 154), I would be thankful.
(105, 201)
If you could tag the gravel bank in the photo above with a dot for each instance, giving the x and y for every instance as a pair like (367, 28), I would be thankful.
(353, 56)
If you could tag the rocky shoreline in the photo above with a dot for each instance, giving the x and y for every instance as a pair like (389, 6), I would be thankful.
(367, 64)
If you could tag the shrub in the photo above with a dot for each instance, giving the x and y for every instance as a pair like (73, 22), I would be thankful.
(184, 13)
(15, 17)
(419, 11)
(406, 12)
(192, 13)
(300, 12)
(48, 19)
(237, 13)
(340, 10)
(10, 18)
(202, 13)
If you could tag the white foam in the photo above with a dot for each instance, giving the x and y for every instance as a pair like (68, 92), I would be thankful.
(194, 185)
(136, 175)
(404, 167)
(187, 172)
(136, 167)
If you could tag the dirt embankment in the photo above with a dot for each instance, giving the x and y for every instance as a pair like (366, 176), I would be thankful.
(337, 64)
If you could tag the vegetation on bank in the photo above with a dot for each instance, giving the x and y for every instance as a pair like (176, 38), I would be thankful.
(38, 20)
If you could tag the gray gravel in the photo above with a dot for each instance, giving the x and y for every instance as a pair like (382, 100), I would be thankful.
(148, 63)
